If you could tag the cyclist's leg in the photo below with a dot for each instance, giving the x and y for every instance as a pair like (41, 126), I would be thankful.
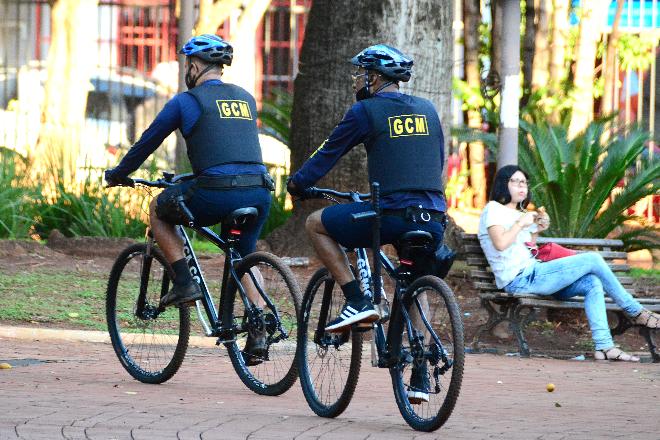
(164, 215)
(328, 229)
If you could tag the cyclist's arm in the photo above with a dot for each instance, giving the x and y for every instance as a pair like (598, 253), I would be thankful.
(179, 113)
(351, 131)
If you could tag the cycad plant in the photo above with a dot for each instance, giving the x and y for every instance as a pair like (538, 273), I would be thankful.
(575, 178)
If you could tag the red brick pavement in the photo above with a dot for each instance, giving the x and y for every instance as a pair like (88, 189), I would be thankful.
(80, 391)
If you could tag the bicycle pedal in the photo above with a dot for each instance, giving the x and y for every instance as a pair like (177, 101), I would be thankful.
(362, 327)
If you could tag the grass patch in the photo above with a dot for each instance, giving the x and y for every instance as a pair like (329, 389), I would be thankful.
(654, 274)
(73, 299)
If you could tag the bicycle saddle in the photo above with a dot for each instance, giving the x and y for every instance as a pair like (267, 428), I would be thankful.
(414, 244)
(241, 217)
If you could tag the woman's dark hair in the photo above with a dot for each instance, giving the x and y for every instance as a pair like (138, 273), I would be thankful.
(500, 191)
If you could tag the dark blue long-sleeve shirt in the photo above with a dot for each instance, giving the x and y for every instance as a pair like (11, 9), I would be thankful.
(353, 130)
(181, 112)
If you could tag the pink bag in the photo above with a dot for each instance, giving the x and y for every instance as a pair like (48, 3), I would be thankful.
(550, 251)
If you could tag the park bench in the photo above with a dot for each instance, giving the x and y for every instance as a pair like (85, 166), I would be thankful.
(520, 310)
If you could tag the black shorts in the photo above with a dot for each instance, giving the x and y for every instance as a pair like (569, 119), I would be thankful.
(210, 206)
(338, 222)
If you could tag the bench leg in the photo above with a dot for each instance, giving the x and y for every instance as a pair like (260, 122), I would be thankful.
(647, 333)
(508, 311)
(518, 322)
(624, 324)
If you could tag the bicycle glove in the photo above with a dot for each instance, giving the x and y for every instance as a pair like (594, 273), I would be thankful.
(113, 180)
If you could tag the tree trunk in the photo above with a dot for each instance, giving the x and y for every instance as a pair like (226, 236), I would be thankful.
(541, 52)
(477, 157)
(591, 22)
(496, 37)
(212, 13)
(560, 30)
(71, 61)
(528, 49)
(242, 72)
(609, 71)
(323, 93)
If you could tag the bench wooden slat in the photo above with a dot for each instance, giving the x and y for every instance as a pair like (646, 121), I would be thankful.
(595, 242)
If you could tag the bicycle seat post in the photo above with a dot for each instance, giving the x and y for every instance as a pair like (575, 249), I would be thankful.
(375, 201)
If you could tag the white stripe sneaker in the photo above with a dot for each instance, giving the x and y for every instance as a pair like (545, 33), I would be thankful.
(351, 313)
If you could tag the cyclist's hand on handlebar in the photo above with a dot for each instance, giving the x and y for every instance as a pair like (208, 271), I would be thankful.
(293, 189)
(115, 180)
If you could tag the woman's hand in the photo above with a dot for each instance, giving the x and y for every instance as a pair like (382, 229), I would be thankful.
(542, 220)
(527, 219)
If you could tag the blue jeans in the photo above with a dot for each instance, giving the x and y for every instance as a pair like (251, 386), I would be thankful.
(584, 274)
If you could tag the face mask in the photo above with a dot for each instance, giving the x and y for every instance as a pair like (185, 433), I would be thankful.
(363, 93)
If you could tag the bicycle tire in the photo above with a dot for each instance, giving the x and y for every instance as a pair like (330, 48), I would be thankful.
(278, 371)
(443, 314)
(151, 347)
(315, 357)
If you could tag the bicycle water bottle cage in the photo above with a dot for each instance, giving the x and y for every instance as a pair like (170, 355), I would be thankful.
(240, 218)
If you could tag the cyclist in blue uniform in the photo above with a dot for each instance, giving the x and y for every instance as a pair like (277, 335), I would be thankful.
(218, 122)
(405, 155)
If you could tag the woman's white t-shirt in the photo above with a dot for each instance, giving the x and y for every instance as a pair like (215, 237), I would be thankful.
(508, 263)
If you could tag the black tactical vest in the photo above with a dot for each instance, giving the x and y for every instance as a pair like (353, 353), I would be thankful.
(226, 132)
(403, 150)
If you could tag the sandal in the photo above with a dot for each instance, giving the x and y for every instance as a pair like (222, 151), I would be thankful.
(614, 354)
(647, 318)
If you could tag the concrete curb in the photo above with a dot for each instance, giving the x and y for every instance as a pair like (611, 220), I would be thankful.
(51, 334)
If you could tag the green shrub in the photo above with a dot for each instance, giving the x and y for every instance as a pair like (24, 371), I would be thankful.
(17, 198)
(90, 210)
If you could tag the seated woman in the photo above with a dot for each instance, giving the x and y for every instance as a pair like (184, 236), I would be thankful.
(504, 228)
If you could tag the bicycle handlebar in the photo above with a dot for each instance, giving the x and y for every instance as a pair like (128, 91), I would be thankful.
(317, 193)
(168, 179)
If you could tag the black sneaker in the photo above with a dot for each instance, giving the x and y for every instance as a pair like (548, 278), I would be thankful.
(182, 294)
(255, 350)
(418, 391)
(351, 313)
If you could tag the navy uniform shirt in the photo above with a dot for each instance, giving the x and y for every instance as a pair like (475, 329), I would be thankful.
(181, 112)
(353, 130)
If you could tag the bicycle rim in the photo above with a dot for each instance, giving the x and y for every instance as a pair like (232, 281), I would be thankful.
(431, 295)
(328, 363)
(276, 371)
(150, 344)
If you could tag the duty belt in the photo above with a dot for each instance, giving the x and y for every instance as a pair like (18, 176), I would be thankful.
(236, 181)
(417, 215)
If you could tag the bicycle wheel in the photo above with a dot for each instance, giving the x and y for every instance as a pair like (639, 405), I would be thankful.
(440, 365)
(150, 343)
(276, 370)
(328, 363)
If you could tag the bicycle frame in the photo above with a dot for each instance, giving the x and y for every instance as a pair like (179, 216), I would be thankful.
(213, 323)
(387, 355)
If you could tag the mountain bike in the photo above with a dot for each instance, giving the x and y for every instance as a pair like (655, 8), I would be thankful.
(151, 340)
(422, 347)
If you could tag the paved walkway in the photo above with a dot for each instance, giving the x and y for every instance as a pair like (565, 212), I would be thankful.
(78, 390)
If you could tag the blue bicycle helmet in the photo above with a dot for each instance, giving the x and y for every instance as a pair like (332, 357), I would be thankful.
(209, 48)
(385, 59)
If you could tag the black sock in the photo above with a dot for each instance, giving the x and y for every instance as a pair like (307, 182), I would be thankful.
(352, 291)
(181, 272)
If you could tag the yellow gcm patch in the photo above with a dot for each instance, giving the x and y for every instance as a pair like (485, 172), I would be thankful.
(234, 108)
(408, 125)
